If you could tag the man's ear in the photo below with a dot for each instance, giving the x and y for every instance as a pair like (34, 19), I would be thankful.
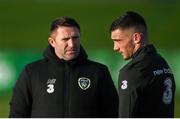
(137, 38)
(51, 41)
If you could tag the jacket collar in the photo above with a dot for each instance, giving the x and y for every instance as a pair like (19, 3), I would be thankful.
(143, 50)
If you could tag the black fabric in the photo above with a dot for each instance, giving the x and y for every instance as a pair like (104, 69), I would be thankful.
(146, 86)
(32, 96)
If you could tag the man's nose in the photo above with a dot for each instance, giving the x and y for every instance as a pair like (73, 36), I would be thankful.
(116, 48)
(71, 42)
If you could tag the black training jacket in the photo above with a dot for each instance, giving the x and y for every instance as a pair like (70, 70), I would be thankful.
(146, 86)
(56, 88)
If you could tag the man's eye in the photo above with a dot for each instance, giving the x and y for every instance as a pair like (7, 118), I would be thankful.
(65, 39)
(76, 37)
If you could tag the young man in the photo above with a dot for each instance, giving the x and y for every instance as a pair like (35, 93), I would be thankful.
(64, 83)
(146, 83)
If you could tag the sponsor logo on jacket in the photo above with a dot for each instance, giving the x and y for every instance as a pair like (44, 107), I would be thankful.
(50, 85)
(162, 71)
(124, 85)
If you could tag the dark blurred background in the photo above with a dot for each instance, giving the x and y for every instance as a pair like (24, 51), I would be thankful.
(25, 24)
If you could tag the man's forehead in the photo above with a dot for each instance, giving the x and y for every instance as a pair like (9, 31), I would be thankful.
(122, 32)
(117, 33)
(65, 32)
(65, 29)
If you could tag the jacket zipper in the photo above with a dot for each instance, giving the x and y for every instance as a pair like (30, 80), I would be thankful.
(66, 95)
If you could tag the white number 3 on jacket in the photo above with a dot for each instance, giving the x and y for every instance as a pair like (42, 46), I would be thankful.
(167, 95)
(50, 88)
(124, 85)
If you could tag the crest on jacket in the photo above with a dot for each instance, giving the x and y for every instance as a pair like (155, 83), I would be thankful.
(84, 83)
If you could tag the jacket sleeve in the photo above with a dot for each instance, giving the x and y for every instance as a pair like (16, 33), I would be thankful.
(108, 96)
(20, 104)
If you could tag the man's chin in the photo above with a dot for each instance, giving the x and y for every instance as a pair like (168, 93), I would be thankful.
(71, 57)
(126, 58)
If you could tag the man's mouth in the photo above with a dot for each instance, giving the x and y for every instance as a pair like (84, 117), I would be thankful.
(71, 51)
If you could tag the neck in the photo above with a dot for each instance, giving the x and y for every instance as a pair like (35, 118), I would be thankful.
(138, 46)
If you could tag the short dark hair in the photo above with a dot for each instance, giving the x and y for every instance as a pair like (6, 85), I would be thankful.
(129, 19)
(64, 21)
